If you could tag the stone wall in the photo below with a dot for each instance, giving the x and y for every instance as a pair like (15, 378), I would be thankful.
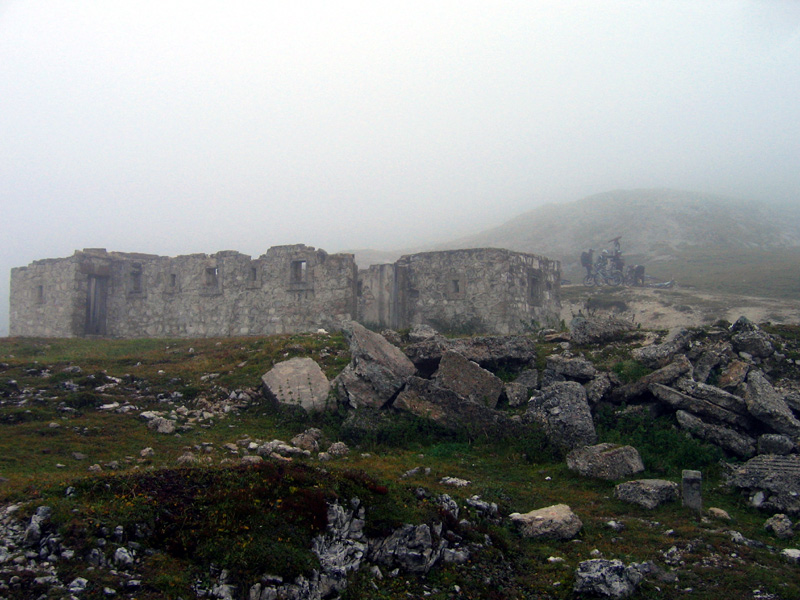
(475, 290)
(289, 289)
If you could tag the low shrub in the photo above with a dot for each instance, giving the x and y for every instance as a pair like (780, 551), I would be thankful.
(664, 448)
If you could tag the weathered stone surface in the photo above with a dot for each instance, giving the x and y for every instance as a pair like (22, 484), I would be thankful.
(425, 398)
(768, 406)
(563, 412)
(298, 382)
(692, 490)
(734, 375)
(712, 394)
(655, 356)
(792, 400)
(557, 522)
(697, 406)
(773, 481)
(726, 438)
(596, 331)
(606, 578)
(467, 291)
(422, 332)
(529, 378)
(516, 393)
(605, 461)
(487, 351)
(377, 369)
(703, 366)
(775, 443)
(161, 425)
(578, 369)
(780, 525)
(410, 548)
(666, 375)
(308, 440)
(755, 343)
(467, 379)
(648, 493)
(597, 388)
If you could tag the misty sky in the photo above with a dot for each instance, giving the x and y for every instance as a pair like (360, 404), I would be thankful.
(179, 127)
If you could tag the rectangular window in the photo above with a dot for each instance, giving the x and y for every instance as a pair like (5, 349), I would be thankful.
(253, 274)
(173, 280)
(455, 286)
(299, 271)
(40, 294)
(212, 277)
(136, 282)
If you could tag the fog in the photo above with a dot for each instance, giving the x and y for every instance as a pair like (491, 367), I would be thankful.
(177, 127)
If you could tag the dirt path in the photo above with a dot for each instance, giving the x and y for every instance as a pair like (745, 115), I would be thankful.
(678, 307)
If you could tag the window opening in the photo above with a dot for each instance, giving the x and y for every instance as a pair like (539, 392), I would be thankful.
(136, 282)
(299, 271)
(40, 294)
(455, 286)
(212, 276)
(253, 274)
(173, 280)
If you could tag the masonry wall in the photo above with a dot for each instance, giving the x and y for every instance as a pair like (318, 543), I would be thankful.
(288, 289)
(475, 290)
(42, 299)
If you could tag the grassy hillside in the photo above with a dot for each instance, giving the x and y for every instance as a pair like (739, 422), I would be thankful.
(259, 519)
(713, 243)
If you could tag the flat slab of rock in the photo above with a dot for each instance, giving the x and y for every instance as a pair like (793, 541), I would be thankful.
(769, 407)
(697, 406)
(468, 379)
(557, 522)
(487, 351)
(648, 493)
(726, 438)
(774, 482)
(578, 369)
(605, 461)
(596, 331)
(562, 409)
(298, 382)
(666, 375)
(376, 371)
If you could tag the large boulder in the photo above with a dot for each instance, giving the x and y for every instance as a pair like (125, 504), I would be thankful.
(487, 351)
(597, 331)
(697, 406)
(773, 482)
(648, 493)
(410, 548)
(655, 356)
(298, 382)
(557, 522)
(769, 407)
(712, 394)
(578, 369)
(607, 578)
(605, 461)
(466, 378)
(562, 410)
(426, 398)
(728, 439)
(377, 369)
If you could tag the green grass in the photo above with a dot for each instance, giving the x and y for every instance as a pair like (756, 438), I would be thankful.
(260, 519)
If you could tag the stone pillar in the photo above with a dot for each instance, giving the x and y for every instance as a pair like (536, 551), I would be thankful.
(690, 490)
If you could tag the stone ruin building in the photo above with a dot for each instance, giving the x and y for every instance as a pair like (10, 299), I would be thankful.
(290, 289)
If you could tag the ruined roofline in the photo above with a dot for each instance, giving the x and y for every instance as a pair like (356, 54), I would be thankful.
(113, 254)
